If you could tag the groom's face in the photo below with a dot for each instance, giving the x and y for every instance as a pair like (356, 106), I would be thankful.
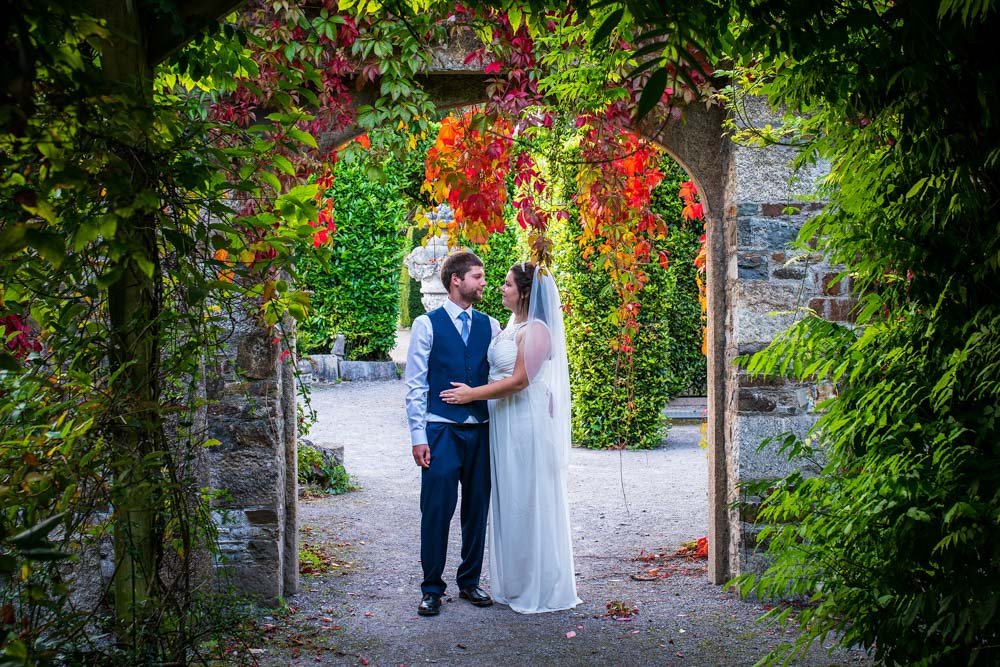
(472, 285)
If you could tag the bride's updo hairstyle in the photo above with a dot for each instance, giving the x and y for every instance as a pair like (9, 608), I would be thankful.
(524, 273)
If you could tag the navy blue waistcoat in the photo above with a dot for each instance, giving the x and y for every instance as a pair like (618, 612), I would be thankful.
(452, 360)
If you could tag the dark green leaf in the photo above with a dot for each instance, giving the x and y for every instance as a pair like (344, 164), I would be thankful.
(609, 24)
(652, 92)
(38, 533)
(12, 239)
(8, 362)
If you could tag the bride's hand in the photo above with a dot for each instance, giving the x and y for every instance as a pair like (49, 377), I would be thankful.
(458, 395)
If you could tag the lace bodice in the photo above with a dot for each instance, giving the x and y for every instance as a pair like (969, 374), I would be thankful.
(502, 353)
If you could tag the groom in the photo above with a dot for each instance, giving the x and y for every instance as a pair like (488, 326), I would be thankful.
(451, 442)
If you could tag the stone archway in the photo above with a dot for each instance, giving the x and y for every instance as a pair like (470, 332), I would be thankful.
(747, 199)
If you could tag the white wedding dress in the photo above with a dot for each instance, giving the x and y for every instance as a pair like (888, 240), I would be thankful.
(531, 551)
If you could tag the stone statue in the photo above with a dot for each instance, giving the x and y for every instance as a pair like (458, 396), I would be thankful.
(424, 262)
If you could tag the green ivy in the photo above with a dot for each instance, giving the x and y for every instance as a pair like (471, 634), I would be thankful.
(667, 358)
(360, 291)
(896, 540)
(605, 413)
(314, 473)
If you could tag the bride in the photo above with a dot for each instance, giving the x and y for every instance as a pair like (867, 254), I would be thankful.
(531, 552)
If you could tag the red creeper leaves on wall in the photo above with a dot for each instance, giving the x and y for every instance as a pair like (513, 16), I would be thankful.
(693, 210)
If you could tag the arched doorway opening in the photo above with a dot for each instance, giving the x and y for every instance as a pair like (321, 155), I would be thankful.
(698, 145)
(751, 216)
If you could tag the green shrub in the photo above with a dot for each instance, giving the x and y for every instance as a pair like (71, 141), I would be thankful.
(606, 414)
(608, 411)
(356, 292)
(359, 291)
(896, 539)
(498, 256)
(686, 365)
(405, 316)
(315, 473)
(410, 305)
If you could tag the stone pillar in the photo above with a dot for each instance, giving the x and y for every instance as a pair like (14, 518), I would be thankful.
(698, 144)
(246, 416)
(771, 285)
(289, 408)
(719, 246)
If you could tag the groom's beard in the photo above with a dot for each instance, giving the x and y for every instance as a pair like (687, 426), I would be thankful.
(474, 295)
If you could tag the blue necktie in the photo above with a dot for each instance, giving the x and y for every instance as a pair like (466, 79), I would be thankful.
(464, 316)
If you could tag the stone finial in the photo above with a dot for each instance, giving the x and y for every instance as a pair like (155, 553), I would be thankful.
(424, 262)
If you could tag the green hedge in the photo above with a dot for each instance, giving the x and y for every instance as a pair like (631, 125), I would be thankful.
(356, 292)
(667, 358)
(359, 291)
(410, 305)
(602, 415)
(686, 364)
(498, 256)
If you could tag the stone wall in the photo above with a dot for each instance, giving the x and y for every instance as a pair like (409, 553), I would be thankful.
(251, 412)
(770, 286)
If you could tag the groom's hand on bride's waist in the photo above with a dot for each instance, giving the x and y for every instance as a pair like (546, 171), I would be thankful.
(422, 455)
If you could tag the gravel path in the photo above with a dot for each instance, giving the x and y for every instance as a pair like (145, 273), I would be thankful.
(364, 611)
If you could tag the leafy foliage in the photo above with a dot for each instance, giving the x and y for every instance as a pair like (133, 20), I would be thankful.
(127, 219)
(356, 290)
(501, 252)
(607, 411)
(682, 313)
(317, 474)
(895, 541)
(410, 305)
(614, 406)
(467, 168)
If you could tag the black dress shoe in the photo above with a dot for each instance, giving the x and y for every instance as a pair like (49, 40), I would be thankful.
(430, 605)
(477, 596)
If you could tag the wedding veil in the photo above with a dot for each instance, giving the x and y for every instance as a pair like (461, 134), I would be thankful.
(545, 361)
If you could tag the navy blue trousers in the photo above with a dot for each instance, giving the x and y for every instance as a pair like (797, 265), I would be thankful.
(460, 456)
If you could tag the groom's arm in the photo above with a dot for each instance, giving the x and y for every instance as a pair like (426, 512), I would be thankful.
(417, 357)
(531, 351)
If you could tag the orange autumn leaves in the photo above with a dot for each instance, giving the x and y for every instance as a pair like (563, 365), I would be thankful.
(693, 210)
(325, 224)
(619, 229)
(467, 168)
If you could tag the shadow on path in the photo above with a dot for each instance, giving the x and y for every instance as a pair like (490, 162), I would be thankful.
(363, 611)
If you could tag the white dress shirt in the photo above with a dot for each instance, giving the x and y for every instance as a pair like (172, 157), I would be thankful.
(417, 357)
